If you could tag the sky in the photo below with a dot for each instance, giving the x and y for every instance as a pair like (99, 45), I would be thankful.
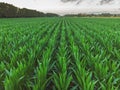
(68, 6)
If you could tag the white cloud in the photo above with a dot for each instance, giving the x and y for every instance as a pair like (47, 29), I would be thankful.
(70, 7)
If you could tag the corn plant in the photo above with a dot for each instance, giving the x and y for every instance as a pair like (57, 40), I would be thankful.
(60, 53)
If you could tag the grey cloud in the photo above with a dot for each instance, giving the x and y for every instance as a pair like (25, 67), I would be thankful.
(68, 0)
(105, 1)
(77, 1)
(101, 2)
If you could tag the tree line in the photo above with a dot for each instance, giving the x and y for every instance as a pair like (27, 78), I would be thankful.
(10, 11)
(93, 15)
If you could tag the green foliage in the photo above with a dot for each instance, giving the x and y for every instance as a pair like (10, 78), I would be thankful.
(60, 54)
(10, 11)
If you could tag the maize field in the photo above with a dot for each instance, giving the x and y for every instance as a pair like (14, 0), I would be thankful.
(60, 53)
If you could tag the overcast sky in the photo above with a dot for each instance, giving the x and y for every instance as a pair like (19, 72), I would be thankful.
(74, 6)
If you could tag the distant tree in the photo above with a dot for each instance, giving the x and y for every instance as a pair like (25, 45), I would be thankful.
(7, 10)
(10, 11)
(93, 15)
(51, 15)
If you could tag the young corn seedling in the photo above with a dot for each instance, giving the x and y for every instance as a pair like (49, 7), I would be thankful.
(101, 71)
(15, 77)
(62, 81)
(44, 67)
(108, 85)
(61, 78)
(42, 70)
(83, 78)
(2, 74)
